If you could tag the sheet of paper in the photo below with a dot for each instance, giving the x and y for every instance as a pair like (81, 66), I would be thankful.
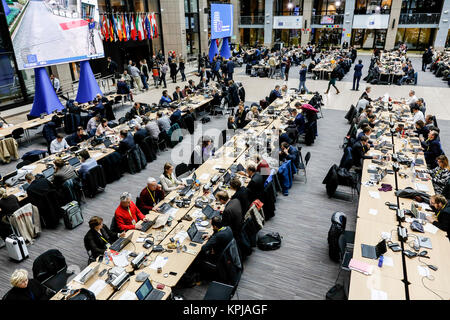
(140, 240)
(373, 212)
(30, 167)
(423, 271)
(19, 194)
(378, 295)
(159, 262)
(388, 261)
(181, 236)
(172, 212)
(128, 295)
(204, 177)
(430, 228)
(197, 214)
(386, 235)
(97, 155)
(374, 194)
(97, 286)
(422, 187)
(120, 260)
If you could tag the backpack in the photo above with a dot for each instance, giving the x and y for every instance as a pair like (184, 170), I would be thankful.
(338, 221)
(82, 294)
(205, 120)
(270, 241)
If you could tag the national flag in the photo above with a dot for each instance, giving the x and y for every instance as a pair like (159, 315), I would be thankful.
(133, 32)
(154, 26)
(127, 28)
(111, 29)
(139, 28)
(144, 32)
(105, 27)
(119, 28)
(124, 29)
(148, 27)
(116, 33)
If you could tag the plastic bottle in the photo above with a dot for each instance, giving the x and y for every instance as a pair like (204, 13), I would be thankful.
(413, 171)
(380, 261)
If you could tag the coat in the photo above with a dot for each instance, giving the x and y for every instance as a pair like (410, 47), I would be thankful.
(358, 70)
(232, 216)
(94, 243)
(26, 221)
(8, 150)
(256, 187)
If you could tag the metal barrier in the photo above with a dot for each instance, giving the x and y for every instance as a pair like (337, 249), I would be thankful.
(336, 19)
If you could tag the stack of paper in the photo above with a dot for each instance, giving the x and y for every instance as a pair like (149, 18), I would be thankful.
(159, 262)
(360, 267)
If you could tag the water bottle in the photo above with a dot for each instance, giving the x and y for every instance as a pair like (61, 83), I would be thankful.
(380, 261)
(106, 257)
(413, 171)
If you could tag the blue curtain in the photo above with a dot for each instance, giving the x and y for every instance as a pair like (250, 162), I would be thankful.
(45, 98)
(225, 50)
(213, 50)
(87, 87)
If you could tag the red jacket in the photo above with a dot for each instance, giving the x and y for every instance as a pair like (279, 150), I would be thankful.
(123, 219)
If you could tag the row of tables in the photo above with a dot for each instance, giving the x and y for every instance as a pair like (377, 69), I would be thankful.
(400, 277)
(174, 264)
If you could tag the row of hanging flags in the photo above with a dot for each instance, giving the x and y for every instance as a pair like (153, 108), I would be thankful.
(125, 27)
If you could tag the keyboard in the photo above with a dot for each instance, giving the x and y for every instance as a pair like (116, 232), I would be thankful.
(185, 190)
(147, 225)
(155, 295)
(117, 245)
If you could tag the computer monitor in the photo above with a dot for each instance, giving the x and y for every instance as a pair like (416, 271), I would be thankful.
(48, 172)
(144, 290)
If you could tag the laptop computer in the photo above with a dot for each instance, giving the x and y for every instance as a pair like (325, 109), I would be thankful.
(107, 142)
(48, 172)
(236, 168)
(8, 176)
(209, 212)
(147, 292)
(378, 177)
(194, 234)
(226, 178)
(164, 207)
(417, 214)
(192, 179)
(120, 243)
(373, 252)
(189, 186)
(74, 162)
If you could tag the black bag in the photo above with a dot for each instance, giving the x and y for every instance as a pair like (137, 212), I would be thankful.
(205, 120)
(72, 215)
(82, 294)
(336, 292)
(270, 241)
(338, 221)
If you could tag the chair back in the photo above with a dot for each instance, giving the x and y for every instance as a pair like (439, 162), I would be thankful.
(17, 133)
(181, 169)
(48, 264)
(219, 291)
(307, 157)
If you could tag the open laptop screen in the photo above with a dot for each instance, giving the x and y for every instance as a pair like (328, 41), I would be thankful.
(144, 290)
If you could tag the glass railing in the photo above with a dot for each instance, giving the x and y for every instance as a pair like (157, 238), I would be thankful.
(328, 19)
(419, 18)
(251, 20)
(370, 11)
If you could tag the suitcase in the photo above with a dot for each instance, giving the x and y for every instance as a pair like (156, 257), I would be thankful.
(17, 249)
(72, 215)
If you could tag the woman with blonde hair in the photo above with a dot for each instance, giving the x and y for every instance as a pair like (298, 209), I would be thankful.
(24, 289)
(168, 180)
(439, 175)
(252, 114)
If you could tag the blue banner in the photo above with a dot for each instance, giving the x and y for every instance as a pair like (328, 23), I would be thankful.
(221, 20)
(45, 98)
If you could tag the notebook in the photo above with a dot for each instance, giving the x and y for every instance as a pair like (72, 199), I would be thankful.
(360, 266)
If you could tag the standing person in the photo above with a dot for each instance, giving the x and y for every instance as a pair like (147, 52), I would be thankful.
(216, 69)
(230, 69)
(173, 70)
(155, 73)
(136, 75)
(181, 68)
(273, 66)
(333, 76)
(111, 69)
(302, 84)
(144, 73)
(357, 75)
(55, 83)
(286, 68)
(164, 69)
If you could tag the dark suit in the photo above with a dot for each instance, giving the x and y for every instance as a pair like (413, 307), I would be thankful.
(357, 75)
(93, 240)
(140, 135)
(256, 187)
(359, 153)
(432, 149)
(293, 155)
(274, 94)
(126, 144)
(243, 195)
(365, 96)
(40, 186)
(218, 242)
(177, 96)
(232, 216)
(77, 139)
(240, 119)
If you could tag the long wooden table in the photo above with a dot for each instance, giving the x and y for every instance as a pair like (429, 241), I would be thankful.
(178, 262)
(374, 219)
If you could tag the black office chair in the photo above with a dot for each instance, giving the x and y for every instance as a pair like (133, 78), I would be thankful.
(113, 226)
(18, 133)
(50, 270)
(181, 169)
(219, 291)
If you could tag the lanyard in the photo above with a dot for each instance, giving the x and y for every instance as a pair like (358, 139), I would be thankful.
(437, 215)
(132, 220)
(153, 198)
(221, 229)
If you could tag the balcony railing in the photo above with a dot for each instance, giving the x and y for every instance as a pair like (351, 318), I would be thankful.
(419, 18)
(328, 19)
(369, 11)
(251, 20)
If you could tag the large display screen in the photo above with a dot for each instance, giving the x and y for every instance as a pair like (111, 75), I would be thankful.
(48, 32)
(221, 20)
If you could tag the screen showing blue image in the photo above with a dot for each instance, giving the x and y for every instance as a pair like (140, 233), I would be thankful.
(221, 20)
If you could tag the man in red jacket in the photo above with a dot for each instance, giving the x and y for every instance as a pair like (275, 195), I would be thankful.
(127, 214)
(150, 196)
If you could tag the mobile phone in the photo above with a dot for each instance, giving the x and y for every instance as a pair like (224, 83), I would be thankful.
(102, 272)
(192, 244)
(172, 273)
(396, 248)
